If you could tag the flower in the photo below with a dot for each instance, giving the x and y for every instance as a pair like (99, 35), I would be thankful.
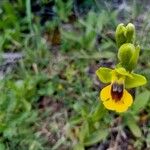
(115, 96)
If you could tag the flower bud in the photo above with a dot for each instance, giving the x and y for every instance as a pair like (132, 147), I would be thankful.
(130, 33)
(120, 34)
(128, 56)
(134, 58)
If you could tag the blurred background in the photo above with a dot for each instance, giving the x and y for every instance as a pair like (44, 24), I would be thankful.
(49, 93)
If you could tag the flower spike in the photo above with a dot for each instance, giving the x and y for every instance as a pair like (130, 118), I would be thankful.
(115, 95)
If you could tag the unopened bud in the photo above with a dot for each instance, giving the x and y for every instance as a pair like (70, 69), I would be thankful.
(130, 33)
(120, 34)
(128, 56)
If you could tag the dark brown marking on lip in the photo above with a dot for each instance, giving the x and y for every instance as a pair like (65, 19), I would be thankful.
(117, 91)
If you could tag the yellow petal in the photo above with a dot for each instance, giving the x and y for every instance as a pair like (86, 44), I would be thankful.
(120, 107)
(127, 98)
(117, 106)
(105, 93)
(125, 102)
(109, 104)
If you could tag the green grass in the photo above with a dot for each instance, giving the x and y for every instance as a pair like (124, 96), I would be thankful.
(50, 98)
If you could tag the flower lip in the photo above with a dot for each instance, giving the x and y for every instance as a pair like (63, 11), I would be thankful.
(117, 91)
(117, 104)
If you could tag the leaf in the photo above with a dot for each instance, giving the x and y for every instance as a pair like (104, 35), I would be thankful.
(89, 40)
(75, 120)
(2, 127)
(104, 74)
(135, 81)
(141, 101)
(131, 123)
(79, 147)
(58, 143)
(84, 131)
(26, 105)
(10, 132)
(96, 137)
(81, 108)
(99, 112)
(28, 13)
(2, 146)
(35, 145)
(70, 36)
(47, 89)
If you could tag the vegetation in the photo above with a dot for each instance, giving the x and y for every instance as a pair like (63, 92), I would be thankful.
(50, 51)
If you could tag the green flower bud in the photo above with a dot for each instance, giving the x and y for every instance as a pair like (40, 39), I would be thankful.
(128, 56)
(134, 58)
(120, 34)
(125, 53)
(130, 33)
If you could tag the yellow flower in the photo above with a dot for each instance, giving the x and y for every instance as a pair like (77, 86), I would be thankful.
(118, 101)
(115, 96)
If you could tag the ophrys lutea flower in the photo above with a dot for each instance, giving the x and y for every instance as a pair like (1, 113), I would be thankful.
(115, 96)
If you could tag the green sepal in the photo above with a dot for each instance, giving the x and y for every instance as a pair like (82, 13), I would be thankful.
(135, 81)
(104, 74)
(123, 72)
(120, 34)
(130, 33)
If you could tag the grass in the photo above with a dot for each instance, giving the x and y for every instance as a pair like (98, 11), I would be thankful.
(49, 98)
